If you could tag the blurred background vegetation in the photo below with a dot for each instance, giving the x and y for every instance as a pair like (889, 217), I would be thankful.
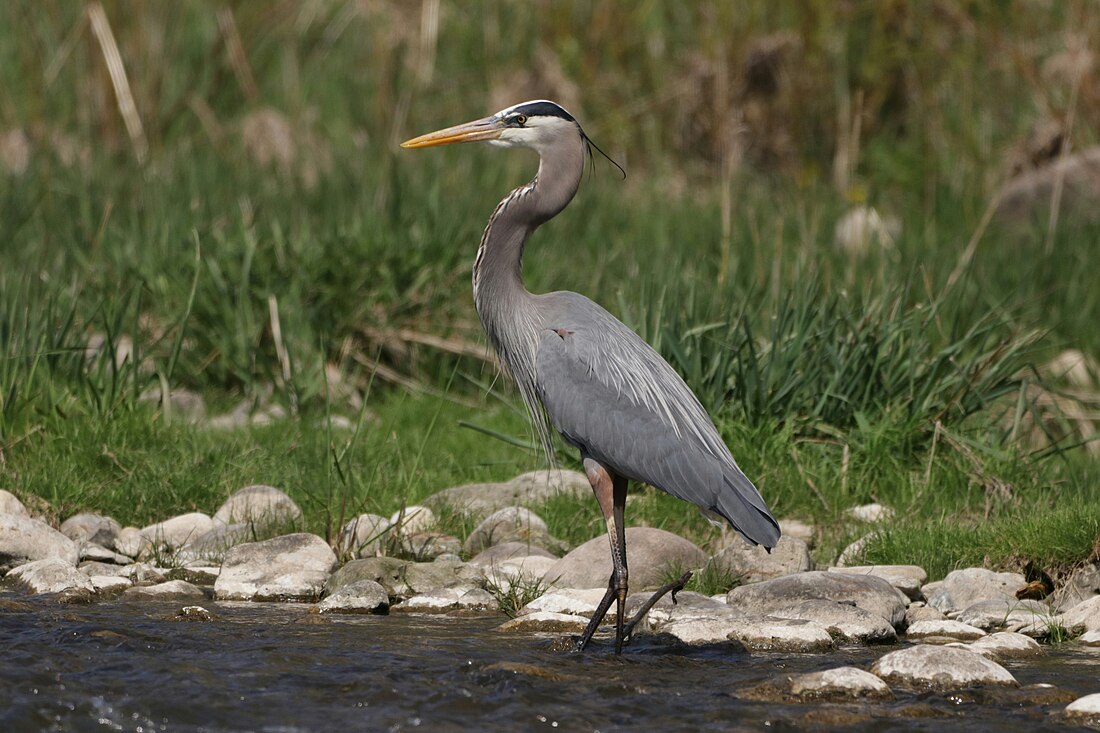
(864, 233)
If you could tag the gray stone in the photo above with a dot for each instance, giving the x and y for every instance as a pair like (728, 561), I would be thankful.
(172, 590)
(173, 533)
(129, 541)
(10, 504)
(1085, 616)
(421, 577)
(652, 555)
(98, 553)
(963, 588)
(688, 604)
(427, 546)
(768, 634)
(524, 570)
(1006, 645)
(291, 567)
(844, 621)
(1090, 638)
(906, 578)
(511, 524)
(840, 683)
(364, 536)
(1005, 613)
(403, 578)
(449, 600)
(940, 667)
(506, 551)
(138, 572)
(260, 505)
(546, 623)
(413, 519)
(362, 596)
(91, 528)
(752, 563)
(870, 513)
(1025, 199)
(182, 403)
(947, 627)
(106, 585)
(535, 487)
(388, 572)
(1084, 709)
(212, 545)
(699, 624)
(571, 601)
(868, 592)
(1081, 584)
(50, 575)
(797, 529)
(922, 612)
(24, 540)
(853, 553)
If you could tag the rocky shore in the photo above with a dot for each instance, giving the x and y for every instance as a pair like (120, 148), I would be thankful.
(949, 634)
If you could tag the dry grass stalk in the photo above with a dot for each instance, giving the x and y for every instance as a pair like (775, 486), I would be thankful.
(101, 28)
(227, 24)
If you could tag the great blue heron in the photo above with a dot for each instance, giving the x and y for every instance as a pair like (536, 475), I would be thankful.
(606, 391)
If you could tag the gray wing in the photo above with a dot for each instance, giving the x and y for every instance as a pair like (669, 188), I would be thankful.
(611, 395)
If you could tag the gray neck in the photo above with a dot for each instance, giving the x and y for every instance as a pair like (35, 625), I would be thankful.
(507, 310)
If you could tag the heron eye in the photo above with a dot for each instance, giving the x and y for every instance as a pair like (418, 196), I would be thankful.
(520, 120)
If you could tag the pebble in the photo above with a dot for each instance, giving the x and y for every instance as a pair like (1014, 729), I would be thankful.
(362, 596)
(752, 563)
(940, 667)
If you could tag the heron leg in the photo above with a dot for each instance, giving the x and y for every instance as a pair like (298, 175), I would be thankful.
(610, 493)
(674, 587)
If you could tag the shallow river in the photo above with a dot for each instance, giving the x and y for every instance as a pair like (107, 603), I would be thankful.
(269, 667)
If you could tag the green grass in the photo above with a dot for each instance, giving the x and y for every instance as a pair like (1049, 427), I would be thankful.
(896, 376)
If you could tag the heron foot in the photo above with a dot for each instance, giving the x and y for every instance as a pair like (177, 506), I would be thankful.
(674, 587)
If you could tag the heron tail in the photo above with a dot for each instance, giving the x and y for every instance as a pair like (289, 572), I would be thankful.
(743, 507)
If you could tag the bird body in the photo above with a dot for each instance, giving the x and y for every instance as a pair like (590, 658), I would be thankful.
(581, 370)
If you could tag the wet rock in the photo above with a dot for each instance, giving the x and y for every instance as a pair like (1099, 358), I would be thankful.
(511, 524)
(174, 533)
(421, 577)
(840, 684)
(138, 572)
(1006, 645)
(403, 578)
(193, 613)
(447, 600)
(1082, 584)
(260, 505)
(535, 487)
(687, 604)
(388, 572)
(98, 553)
(91, 528)
(362, 596)
(196, 574)
(947, 627)
(922, 612)
(700, 624)
(1005, 613)
(570, 601)
(426, 546)
(906, 578)
(768, 634)
(212, 545)
(291, 567)
(652, 555)
(547, 623)
(172, 590)
(507, 551)
(1085, 616)
(1090, 638)
(870, 513)
(1084, 709)
(413, 519)
(50, 575)
(963, 588)
(364, 536)
(844, 621)
(798, 530)
(108, 585)
(10, 504)
(868, 592)
(129, 542)
(752, 563)
(940, 667)
(24, 540)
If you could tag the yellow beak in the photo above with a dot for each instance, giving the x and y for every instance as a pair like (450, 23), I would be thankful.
(487, 128)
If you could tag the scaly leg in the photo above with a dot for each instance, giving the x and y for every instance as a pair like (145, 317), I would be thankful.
(674, 587)
(610, 491)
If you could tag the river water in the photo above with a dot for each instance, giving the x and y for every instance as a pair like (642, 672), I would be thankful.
(278, 668)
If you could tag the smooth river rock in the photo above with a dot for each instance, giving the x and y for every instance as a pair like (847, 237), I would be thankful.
(698, 625)
(572, 601)
(403, 578)
(427, 546)
(752, 563)
(769, 634)
(412, 519)
(546, 622)
(535, 487)
(940, 667)
(1082, 584)
(212, 545)
(364, 536)
(50, 575)
(259, 505)
(868, 592)
(522, 571)
(447, 600)
(653, 557)
(1090, 638)
(174, 533)
(1085, 616)
(508, 551)
(511, 524)
(945, 628)
(172, 590)
(1004, 613)
(840, 684)
(291, 567)
(846, 622)
(1084, 709)
(1006, 645)
(870, 513)
(362, 596)
(906, 578)
(24, 540)
(89, 527)
(963, 588)
(10, 504)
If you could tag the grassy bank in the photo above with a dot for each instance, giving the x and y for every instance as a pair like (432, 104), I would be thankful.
(262, 241)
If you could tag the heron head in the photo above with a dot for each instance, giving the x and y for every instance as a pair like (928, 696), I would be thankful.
(536, 124)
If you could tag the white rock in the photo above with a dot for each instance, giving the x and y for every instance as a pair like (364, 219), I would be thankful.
(291, 567)
(839, 682)
(1086, 708)
(108, 583)
(570, 601)
(364, 536)
(651, 554)
(688, 605)
(752, 563)
(259, 505)
(1085, 616)
(1090, 638)
(129, 542)
(546, 622)
(51, 575)
(413, 519)
(511, 524)
(797, 529)
(906, 578)
(698, 625)
(10, 504)
(868, 592)
(448, 599)
(926, 665)
(765, 633)
(963, 588)
(1006, 613)
(524, 570)
(862, 227)
(952, 629)
(870, 513)
(172, 590)
(24, 540)
(842, 620)
(89, 527)
(363, 596)
(498, 554)
(174, 533)
(98, 553)
(921, 612)
(853, 553)
(1006, 645)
